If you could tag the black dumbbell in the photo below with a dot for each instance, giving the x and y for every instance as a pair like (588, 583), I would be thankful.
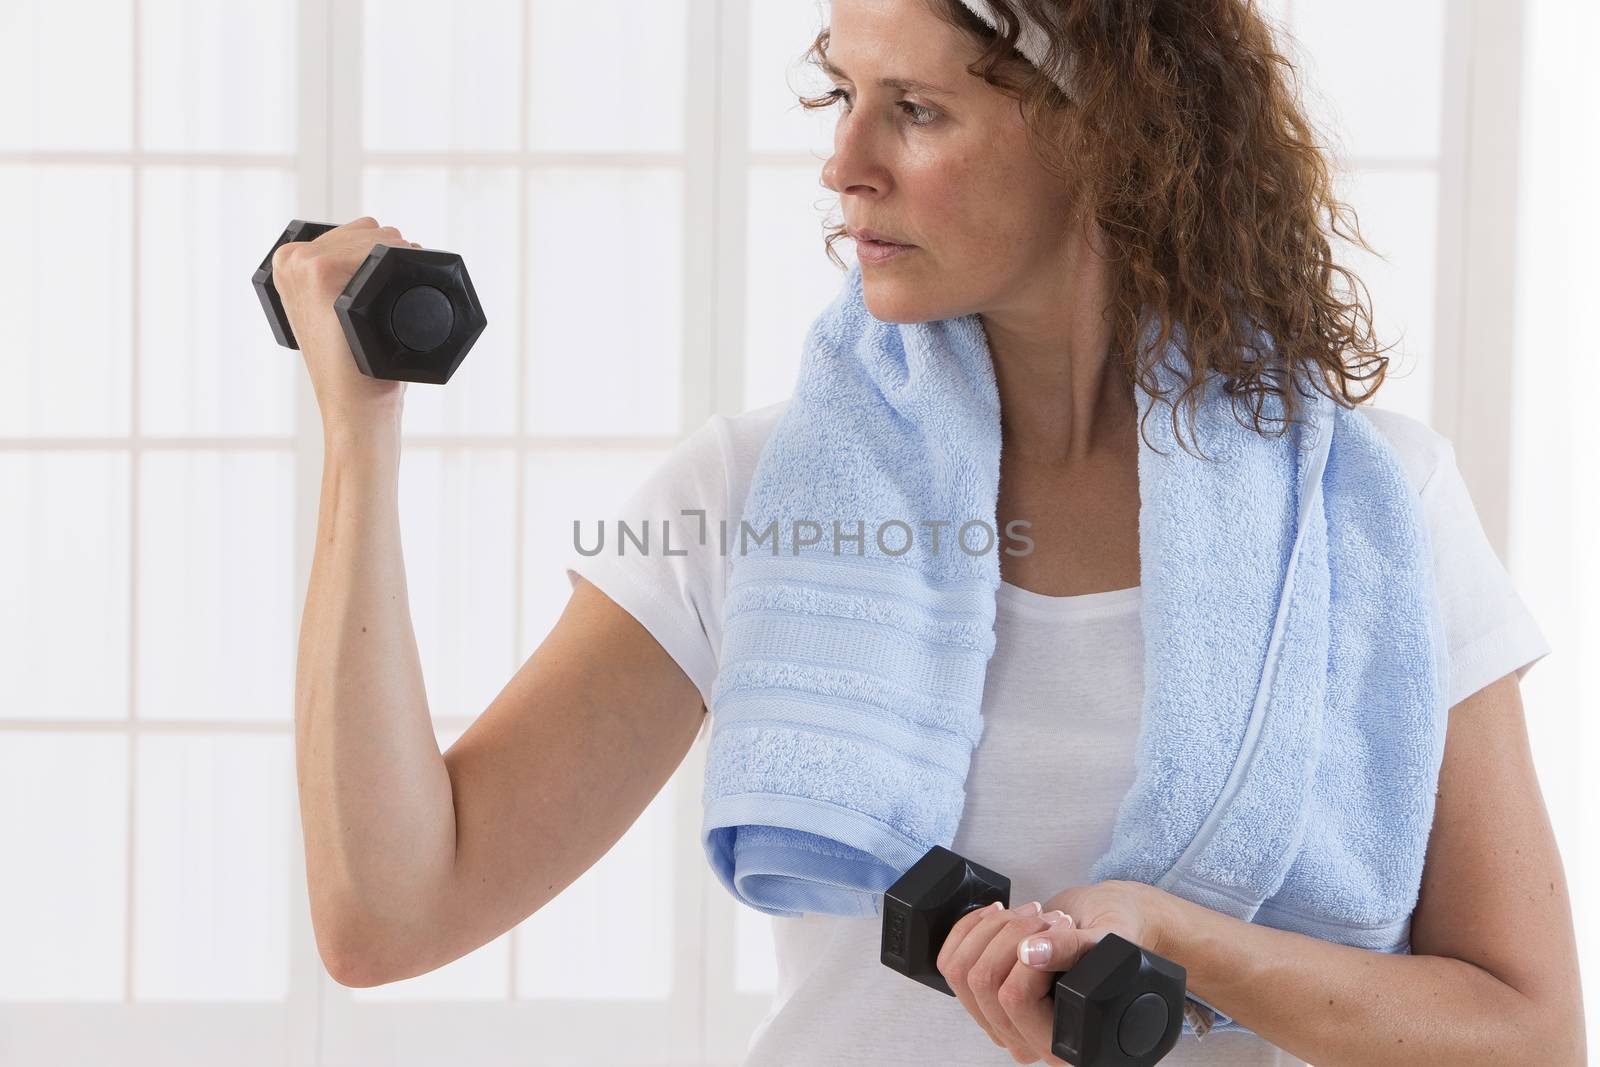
(410, 314)
(1119, 1005)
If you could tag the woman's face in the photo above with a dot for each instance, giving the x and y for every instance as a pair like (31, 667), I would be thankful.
(949, 171)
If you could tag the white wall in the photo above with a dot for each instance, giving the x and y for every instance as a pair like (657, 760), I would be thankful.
(160, 457)
(1555, 490)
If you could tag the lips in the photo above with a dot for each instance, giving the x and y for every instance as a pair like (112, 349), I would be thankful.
(864, 234)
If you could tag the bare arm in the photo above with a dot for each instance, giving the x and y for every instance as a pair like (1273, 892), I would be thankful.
(1494, 977)
(414, 858)
(375, 800)
(549, 778)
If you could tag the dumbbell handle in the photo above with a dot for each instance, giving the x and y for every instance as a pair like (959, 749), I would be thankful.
(1120, 1005)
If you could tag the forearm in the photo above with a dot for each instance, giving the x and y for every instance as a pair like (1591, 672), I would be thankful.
(1331, 1004)
(375, 797)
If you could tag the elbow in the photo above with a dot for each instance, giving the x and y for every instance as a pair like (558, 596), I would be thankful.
(1565, 1045)
(1570, 1042)
(344, 967)
(360, 948)
(347, 959)
(1575, 1047)
(349, 971)
(1556, 1033)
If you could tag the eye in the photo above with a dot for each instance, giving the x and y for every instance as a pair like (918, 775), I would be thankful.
(920, 116)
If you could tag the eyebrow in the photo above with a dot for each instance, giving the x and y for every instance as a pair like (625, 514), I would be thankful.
(909, 85)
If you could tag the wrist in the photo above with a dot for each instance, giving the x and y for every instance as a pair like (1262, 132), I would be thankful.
(1167, 925)
(376, 424)
(1166, 919)
(362, 443)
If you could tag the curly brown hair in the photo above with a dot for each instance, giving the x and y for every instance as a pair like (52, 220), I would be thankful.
(1185, 141)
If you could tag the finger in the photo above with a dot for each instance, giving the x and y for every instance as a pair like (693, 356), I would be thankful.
(1026, 993)
(1063, 946)
(993, 968)
(384, 235)
(967, 929)
(963, 928)
(358, 235)
(1029, 1003)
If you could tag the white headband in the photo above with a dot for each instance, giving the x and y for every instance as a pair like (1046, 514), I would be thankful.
(1031, 39)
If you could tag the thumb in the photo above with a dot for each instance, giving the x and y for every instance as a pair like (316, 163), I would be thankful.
(1059, 947)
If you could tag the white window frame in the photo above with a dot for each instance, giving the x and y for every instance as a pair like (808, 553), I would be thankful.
(1476, 263)
(707, 1016)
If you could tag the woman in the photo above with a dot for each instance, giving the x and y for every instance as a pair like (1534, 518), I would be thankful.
(1178, 175)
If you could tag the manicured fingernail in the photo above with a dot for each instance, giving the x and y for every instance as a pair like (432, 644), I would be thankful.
(1053, 917)
(1036, 951)
(1030, 908)
(996, 906)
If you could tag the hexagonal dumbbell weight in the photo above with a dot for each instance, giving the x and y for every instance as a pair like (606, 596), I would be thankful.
(1120, 1005)
(410, 314)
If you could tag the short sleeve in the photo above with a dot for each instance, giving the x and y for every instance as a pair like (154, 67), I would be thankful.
(671, 586)
(1489, 629)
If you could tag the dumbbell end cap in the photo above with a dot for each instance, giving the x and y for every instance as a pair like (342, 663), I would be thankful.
(921, 907)
(366, 311)
(1119, 1004)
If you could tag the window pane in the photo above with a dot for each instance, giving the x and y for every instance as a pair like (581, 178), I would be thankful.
(479, 975)
(1399, 218)
(219, 77)
(67, 75)
(215, 825)
(68, 282)
(585, 486)
(458, 523)
(1375, 70)
(64, 586)
(207, 361)
(607, 77)
(217, 591)
(780, 34)
(472, 212)
(566, 950)
(791, 279)
(605, 301)
(64, 900)
(441, 76)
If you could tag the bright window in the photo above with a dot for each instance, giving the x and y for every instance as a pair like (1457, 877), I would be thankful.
(160, 456)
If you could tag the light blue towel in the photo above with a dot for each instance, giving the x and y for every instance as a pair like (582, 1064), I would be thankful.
(1295, 663)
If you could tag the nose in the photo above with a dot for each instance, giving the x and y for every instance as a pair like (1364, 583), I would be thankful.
(855, 166)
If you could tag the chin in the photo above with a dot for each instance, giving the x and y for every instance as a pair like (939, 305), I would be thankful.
(896, 300)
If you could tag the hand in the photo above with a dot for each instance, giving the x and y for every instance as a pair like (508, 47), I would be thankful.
(981, 958)
(309, 276)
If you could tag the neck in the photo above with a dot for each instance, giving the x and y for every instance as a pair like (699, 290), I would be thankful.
(1062, 399)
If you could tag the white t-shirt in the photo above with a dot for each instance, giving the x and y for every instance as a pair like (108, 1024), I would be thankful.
(1066, 672)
